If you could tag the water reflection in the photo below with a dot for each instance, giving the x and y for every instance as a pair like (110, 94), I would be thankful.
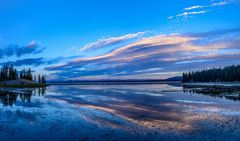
(162, 107)
(227, 92)
(112, 112)
(9, 97)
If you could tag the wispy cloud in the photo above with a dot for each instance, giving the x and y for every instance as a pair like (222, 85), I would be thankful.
(220, 3)
(193, 7)
(203, 11)
(101, 43)
(33, 47)
(185, 14)
(192, 61)
(170, 17)
(156, 56)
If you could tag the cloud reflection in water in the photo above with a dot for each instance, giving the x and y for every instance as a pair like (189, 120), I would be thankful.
(109, 111)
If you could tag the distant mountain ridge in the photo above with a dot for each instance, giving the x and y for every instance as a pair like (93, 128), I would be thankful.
(175, 78)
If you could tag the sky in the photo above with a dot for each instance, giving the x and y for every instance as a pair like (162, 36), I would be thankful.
(127, 39)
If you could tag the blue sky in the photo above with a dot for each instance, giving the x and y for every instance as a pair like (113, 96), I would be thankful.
(127, 39)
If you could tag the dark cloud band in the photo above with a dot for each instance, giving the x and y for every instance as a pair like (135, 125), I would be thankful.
(18, 51)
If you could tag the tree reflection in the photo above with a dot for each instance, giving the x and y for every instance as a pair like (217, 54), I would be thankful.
(228, 92)
(9, 98)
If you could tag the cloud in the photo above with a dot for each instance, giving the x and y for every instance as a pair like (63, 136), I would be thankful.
(193, 7)
(192, 61)
(37, 61)
(29, 61)
(18, 51)
(155, 57)
(170, 17)
(222, 3)
(128, 52)
(234, 31)
(101, 43)
(185, 14)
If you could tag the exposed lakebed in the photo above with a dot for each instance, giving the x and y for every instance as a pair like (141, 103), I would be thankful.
(117, 112)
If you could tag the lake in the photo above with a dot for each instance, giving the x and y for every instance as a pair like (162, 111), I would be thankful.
(116, 112)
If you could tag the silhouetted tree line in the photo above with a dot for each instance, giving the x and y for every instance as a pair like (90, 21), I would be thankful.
(226, 74)
(8, 73)
(42, 79)
(26, 74)
(11, 73)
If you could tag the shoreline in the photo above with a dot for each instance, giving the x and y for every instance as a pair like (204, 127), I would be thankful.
(195, 84)
(211, 84)
(25, 86)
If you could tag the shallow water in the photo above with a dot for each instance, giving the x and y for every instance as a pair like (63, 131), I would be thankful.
(116, 112)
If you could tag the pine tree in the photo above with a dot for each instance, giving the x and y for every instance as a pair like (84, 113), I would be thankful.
(34, 78)
(29, 75)
(39, 79)
(43, 80)
(15, 74)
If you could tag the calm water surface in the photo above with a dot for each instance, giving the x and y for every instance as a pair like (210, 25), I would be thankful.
(116, 112)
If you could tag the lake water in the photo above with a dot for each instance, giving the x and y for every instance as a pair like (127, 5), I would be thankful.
(116, 112)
